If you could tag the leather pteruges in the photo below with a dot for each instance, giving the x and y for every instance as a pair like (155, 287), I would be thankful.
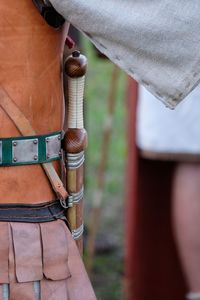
(44, 253)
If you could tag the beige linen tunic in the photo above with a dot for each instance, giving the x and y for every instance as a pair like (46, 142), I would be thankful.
(169, 134)
(156, 42)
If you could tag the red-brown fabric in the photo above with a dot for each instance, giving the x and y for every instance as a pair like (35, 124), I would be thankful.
(152, 265)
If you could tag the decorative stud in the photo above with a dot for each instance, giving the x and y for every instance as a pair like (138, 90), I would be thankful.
(35, 157)
(35, 142)
(15, 159)
(14, 144)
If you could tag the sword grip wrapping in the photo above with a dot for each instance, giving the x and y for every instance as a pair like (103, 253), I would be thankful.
(75, 68)
(75, 102)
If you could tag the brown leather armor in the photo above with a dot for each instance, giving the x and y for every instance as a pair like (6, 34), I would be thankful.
(31, 75)
(34, 254)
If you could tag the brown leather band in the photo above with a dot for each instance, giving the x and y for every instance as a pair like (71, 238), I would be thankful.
(31, 213)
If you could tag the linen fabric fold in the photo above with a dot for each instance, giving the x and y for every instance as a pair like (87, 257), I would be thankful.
(156, 42)
(168, 134)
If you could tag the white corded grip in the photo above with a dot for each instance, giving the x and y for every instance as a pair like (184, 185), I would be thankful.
(75, 102)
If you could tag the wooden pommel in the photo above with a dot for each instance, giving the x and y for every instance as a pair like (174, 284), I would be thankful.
(75, 140)
(76, 65)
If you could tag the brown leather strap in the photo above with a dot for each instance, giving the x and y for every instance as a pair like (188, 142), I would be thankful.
(25, 128)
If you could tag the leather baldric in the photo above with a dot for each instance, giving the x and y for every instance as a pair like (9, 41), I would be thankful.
(25, 128)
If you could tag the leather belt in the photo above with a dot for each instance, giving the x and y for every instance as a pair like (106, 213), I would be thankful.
(32, 213)
(26, 150)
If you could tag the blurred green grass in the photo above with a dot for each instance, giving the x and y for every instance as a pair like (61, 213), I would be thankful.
(108, 268)
(97, 89)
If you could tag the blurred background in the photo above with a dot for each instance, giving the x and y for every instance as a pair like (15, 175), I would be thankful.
(130, 247)
(106, 271)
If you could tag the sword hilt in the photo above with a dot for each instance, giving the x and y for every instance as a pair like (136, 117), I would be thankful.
(75, 68)
(75, 141)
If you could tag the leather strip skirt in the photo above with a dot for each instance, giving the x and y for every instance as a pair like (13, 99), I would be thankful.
(41, 261)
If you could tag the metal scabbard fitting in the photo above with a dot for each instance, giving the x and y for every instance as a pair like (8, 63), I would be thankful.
(77, 233)
(75, 198)
(75, 160)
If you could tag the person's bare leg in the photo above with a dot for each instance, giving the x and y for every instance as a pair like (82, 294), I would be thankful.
(186, 222)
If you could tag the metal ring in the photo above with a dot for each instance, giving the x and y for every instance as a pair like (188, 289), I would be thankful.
(64, 203)
(75, 160)
(77, 233)
(75, 198)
